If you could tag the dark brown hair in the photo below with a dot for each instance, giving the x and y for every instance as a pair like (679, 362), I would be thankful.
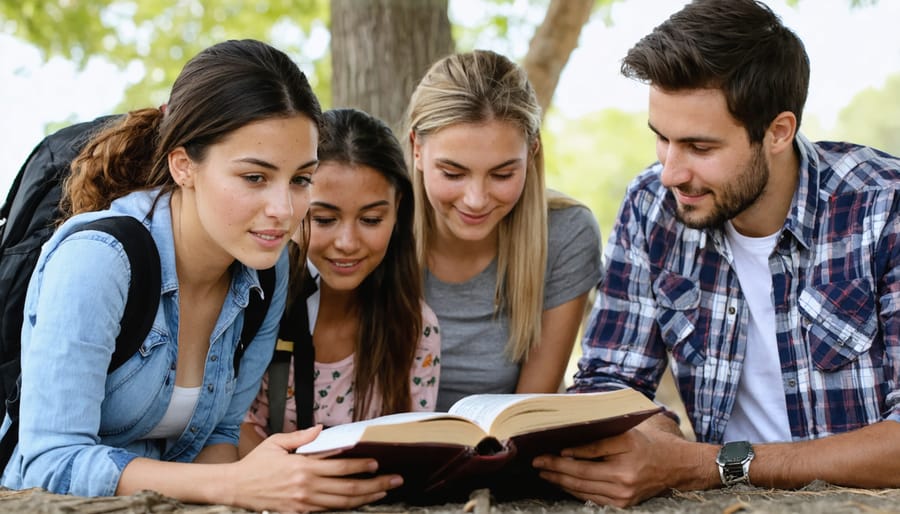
(390, 297)
(220, 90)
(738, 46)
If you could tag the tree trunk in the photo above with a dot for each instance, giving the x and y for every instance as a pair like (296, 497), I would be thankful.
(381, 48)
(553, 43)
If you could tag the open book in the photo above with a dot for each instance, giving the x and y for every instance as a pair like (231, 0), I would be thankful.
(481, 435)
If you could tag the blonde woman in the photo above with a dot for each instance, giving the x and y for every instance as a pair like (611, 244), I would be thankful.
(507, 265)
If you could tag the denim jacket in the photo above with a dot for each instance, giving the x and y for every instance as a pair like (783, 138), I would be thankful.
(79, 426)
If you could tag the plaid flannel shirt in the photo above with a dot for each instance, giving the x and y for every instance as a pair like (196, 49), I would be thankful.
(671, 291)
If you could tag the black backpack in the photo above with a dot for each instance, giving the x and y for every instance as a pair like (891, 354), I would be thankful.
(29, 217)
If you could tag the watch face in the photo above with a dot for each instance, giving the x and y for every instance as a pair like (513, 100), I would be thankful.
(734, 452)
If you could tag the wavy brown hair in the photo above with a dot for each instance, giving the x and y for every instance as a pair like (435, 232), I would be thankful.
(220, 90)
(390, 298)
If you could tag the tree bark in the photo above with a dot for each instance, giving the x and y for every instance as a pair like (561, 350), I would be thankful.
(381, 48)
(553, 43)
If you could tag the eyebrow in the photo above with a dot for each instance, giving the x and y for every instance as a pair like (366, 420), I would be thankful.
(332, 207)
(454, 164)
(268, 165)
(688, 139)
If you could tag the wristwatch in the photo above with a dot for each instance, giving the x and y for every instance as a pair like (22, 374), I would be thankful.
(734, 462)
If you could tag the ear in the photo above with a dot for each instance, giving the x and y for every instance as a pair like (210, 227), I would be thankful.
(781, 132)
(181, 167)
(416, 150)
(536, 146)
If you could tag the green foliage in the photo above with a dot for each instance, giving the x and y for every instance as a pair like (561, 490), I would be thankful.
(873, 118)
(159, 36)
(593, 158)
(506, 26)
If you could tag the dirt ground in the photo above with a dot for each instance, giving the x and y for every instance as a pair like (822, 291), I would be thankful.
(816, 498)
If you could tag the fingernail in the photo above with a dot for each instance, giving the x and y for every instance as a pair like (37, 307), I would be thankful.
(396, 481)
(538, 462)
(373, 465)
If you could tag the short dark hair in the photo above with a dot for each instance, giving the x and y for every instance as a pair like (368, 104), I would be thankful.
(738, 46)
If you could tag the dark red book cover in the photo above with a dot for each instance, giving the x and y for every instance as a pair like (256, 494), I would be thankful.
(434, 472)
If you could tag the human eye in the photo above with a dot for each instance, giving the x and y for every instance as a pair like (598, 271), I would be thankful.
(323, 220)
(372, 220)
(304, 180)
(700, 149)
(253, 178)
(452, 175)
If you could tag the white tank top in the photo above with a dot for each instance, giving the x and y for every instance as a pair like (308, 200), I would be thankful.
(177, 416)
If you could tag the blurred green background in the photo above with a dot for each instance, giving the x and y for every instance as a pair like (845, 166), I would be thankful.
(594, 143)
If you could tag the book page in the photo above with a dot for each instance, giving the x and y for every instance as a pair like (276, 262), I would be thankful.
(507, 415)
(483, 409)
(344, 436)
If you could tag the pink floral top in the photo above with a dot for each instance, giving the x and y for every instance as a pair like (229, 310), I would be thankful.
(333, 394)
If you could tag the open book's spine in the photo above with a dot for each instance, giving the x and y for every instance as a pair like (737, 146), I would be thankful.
(468, 470)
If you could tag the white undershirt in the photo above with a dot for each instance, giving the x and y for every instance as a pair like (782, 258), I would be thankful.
(760, 411)
(175, 420)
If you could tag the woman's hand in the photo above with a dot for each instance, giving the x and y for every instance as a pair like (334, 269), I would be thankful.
(273, 477)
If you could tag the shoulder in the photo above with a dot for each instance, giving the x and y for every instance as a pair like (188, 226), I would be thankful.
(570, 216)
(428, 315)
(847, 167)
(97, 246)
(570, 227)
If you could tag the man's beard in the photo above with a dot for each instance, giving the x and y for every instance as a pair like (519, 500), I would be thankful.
(734, 198)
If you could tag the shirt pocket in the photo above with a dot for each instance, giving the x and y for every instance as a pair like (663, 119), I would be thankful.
(133, 390)
(840, 322)
(677, 301)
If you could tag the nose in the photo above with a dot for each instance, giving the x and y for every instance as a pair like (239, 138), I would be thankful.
(675, 171)
(346, 239)
(475, 197)
(280, 202)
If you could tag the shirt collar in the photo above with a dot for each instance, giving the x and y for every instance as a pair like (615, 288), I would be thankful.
(802, 215)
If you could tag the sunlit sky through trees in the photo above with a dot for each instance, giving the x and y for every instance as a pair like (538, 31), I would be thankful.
(850, 50)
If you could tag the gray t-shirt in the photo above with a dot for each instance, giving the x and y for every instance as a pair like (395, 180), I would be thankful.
(473, 339)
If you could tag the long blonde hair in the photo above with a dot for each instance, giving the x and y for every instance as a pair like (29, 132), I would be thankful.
(473, 88)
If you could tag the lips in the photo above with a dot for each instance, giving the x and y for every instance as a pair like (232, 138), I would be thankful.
(689, 197)
(472, 219)
(345, 266)
(269, 238)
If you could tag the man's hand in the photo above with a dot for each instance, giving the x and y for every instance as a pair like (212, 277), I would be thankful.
(627, 469)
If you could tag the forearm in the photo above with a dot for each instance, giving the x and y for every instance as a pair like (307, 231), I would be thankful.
(218, 454)
(868, 457)
(187, 482)
(544, 370)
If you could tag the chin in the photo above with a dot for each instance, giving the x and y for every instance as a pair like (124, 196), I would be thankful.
(473, 233)
(259, 262)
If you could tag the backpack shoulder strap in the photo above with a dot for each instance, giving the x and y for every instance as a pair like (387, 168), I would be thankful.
(140, 307)
(255, 314)
(143, 291)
